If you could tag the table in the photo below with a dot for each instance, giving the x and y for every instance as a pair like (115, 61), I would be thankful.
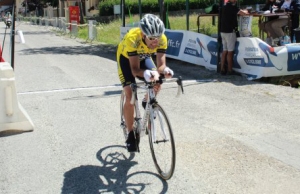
(263, 18)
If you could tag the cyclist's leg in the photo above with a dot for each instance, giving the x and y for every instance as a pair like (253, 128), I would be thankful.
(126, 78)
(128, 110)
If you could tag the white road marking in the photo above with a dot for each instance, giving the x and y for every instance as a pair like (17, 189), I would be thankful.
(100, 87)
(69, 89)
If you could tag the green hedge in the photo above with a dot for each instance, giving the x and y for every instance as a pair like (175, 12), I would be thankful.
(148, 6)
(106, 7)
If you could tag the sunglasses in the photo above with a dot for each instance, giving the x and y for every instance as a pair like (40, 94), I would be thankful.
(153, 37)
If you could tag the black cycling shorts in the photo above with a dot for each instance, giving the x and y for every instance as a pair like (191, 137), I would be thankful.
(124, 70)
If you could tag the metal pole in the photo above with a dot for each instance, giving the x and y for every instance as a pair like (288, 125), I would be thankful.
(26, 9)
(123, 12)
(162, 13)
(140, 9)
(81, 12)
(12, 38)
(57, 10)
(160, 8)
(187, 15)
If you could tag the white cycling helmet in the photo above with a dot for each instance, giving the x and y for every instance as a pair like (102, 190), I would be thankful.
(152, 26)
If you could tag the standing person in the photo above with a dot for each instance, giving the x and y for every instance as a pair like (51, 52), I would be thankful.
(134, 60)
(229, 26)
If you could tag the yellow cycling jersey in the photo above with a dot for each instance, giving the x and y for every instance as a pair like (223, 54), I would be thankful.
(133, 44)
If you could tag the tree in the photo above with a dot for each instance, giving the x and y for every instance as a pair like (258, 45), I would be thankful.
(33, 4)
(53, 3)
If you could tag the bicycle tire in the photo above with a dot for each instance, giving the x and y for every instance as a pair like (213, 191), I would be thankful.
(163, 149)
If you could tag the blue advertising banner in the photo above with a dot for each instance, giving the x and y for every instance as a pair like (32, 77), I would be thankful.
(253, 57)
(174, 42)
(293, 58)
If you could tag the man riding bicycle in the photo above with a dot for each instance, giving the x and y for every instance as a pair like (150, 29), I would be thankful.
(134, 57)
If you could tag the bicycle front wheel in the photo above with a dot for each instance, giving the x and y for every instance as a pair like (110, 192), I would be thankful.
(161, 141)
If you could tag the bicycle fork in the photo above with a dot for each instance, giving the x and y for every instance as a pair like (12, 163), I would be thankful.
(151, 110)
(156, 115)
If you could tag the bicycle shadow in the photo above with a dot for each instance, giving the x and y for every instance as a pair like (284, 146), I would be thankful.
(111, 176)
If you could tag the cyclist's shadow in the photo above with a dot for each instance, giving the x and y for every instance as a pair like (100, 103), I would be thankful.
(111, 176)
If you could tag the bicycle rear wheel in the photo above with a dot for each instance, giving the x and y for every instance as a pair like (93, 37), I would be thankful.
(161, 141)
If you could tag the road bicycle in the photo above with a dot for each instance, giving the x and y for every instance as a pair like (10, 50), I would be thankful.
(155, 124)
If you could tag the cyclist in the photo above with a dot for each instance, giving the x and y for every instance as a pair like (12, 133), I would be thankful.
(134, 57)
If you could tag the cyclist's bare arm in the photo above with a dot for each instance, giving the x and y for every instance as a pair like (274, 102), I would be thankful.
(135, 66)
(161, 62)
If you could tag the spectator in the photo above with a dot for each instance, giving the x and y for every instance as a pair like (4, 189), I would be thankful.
(229, 26)
(274, 26)
(294, 10)
(268, 7)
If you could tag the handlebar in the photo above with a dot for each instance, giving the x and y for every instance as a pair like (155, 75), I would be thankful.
(134, 86)
(180, 86)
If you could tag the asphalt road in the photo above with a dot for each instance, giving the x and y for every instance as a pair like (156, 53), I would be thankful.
(231, 135)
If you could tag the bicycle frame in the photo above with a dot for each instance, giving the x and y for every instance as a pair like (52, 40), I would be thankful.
(142, 122)
(160, 134)
(151, 101)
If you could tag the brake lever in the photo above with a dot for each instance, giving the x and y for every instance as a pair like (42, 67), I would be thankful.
(180, 86)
